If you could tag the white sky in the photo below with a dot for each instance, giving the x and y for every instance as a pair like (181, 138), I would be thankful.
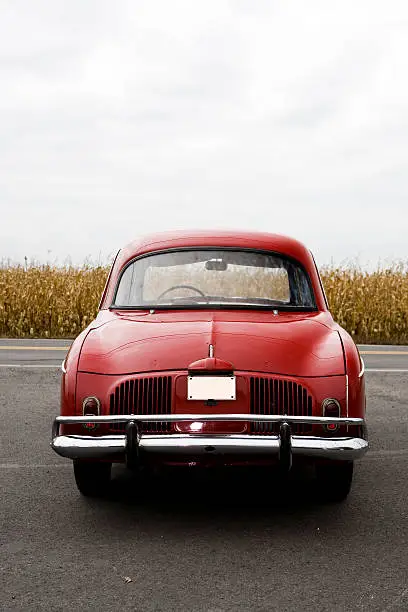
(119, 118)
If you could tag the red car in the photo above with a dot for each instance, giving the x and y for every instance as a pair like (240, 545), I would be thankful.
(213, 348)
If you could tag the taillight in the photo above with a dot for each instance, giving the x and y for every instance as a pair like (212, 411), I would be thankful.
(331, 408)
(91, 407)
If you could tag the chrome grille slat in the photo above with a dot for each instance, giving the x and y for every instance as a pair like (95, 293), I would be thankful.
(279, 396)
(151, 395)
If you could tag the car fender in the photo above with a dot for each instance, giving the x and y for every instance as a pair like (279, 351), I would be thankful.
(354, 366)
(70, 366)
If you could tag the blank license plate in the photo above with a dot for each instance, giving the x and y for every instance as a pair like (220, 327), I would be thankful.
(211, 388)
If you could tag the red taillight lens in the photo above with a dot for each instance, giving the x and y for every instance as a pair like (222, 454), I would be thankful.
(90, 407)
(331, 408)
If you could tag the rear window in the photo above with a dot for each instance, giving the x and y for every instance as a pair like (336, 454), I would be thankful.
(214, 278)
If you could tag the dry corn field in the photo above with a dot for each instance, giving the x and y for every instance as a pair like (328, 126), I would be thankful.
(54, 302)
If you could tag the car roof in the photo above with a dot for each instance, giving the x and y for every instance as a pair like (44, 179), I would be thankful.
(213, 238)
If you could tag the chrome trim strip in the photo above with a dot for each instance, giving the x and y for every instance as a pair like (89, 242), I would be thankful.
(347, 395)
(362, 368)
(63, 368)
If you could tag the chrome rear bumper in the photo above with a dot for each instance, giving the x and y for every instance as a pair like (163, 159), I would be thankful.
(105, 447)
(283, 445)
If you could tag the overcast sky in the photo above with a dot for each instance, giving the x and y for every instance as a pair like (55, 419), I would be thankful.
(119, 118)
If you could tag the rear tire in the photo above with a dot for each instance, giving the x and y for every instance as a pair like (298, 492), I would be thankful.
(92, 477)
(334, 480)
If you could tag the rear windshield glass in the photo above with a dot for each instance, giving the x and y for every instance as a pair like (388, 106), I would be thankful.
(205, 278)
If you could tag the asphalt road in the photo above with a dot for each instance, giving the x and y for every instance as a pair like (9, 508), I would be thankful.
(191, 542)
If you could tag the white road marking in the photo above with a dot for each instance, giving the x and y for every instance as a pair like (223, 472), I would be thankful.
(25, 466)
(8, 347)
(31, 366)
(54, 366)
(390, 370)
(381, 454)
(383, 352)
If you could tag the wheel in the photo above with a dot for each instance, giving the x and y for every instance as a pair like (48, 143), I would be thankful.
(92, 477)
(334, 480)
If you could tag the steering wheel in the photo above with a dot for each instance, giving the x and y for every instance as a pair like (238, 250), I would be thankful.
(180, 287)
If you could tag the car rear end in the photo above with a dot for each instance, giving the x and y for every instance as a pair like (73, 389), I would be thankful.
(240, 421)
